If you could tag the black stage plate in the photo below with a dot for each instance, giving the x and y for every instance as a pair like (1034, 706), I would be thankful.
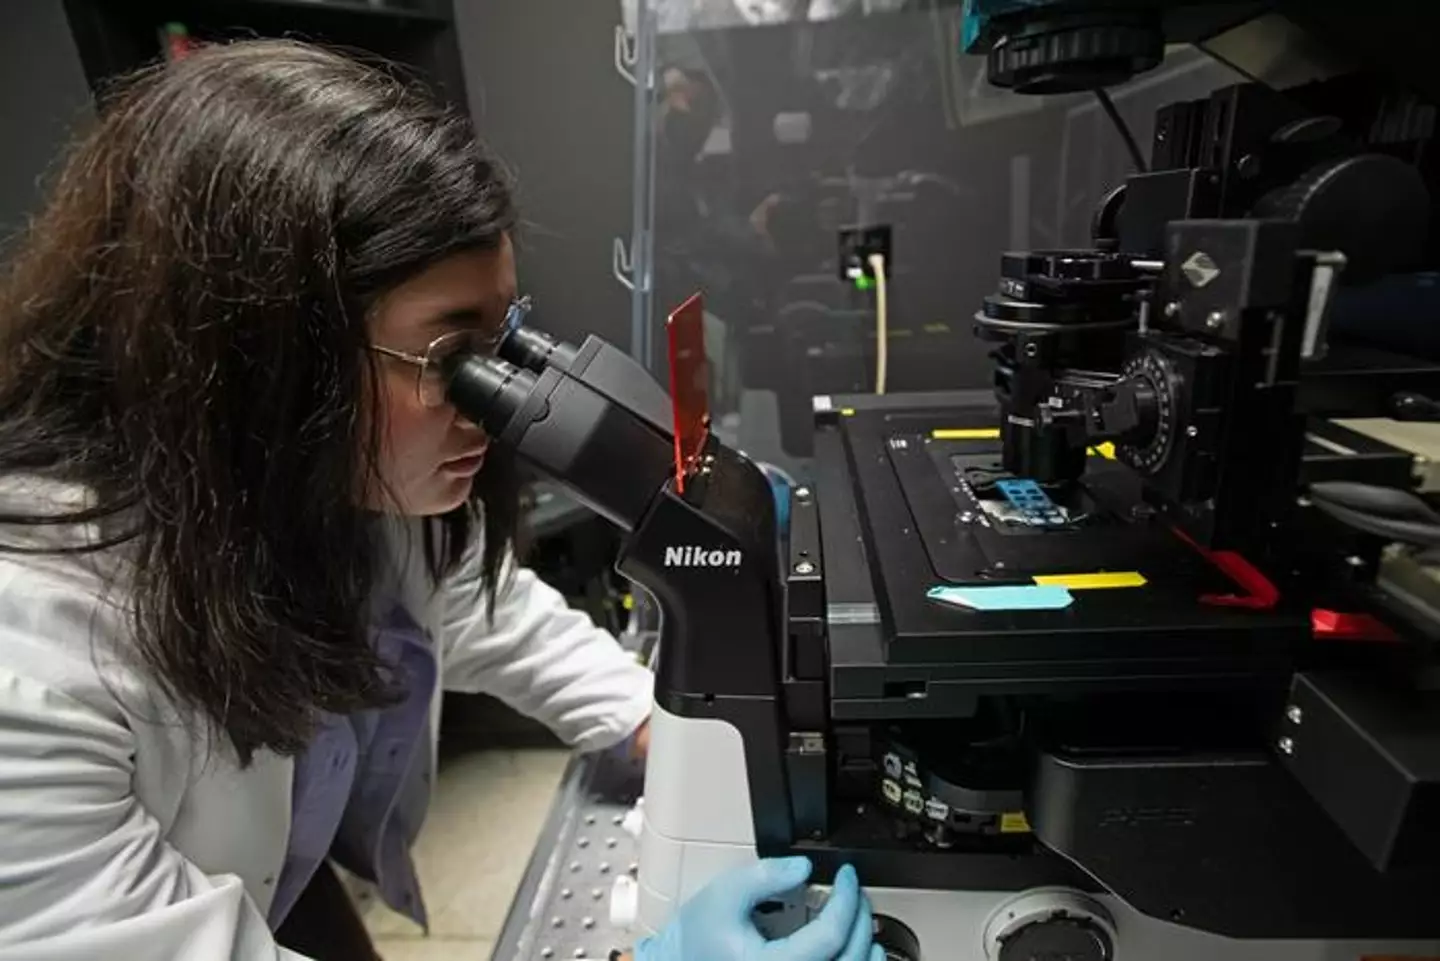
(914, 541)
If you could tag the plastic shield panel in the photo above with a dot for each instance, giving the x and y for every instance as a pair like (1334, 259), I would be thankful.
(689, 384)
(772, 126)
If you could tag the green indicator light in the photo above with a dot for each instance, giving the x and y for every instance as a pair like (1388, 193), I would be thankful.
(864, 283)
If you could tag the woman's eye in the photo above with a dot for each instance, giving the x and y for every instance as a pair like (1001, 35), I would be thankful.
(447, 352)
(450, 346)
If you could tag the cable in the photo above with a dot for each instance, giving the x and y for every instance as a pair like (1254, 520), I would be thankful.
(882, 322)
(1122, 128)
(1409, 532)
(1391, 502)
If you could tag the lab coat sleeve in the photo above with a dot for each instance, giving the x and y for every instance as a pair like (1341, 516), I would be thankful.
(542, 658)
(85, 872)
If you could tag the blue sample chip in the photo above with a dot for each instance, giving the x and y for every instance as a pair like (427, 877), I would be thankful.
(1034, 505)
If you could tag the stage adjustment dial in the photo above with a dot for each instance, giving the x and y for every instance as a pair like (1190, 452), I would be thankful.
(1159, 385)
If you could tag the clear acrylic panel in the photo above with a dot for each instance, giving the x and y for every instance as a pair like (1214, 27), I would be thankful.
(765, 126)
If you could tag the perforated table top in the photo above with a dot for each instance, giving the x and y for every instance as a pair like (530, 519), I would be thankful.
(562, 907)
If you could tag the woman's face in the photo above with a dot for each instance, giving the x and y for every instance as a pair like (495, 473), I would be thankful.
(429, 455)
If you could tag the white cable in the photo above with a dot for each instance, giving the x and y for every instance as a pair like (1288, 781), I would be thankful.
(882, 331)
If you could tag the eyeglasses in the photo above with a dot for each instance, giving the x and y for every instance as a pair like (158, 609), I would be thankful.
(430, 365)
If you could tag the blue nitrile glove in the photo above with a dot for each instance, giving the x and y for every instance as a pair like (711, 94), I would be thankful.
(715, 925)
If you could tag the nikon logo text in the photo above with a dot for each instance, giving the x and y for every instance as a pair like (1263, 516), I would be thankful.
(700, 557)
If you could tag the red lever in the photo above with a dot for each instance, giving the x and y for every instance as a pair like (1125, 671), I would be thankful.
(1259, 594)
(1335, 626)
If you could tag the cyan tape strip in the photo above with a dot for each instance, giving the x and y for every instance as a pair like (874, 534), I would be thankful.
(1021, 597)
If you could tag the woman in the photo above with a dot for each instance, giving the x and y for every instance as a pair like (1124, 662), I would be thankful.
(244, 542)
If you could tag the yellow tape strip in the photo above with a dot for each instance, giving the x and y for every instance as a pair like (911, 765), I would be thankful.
(1105, 450)
(966, 433)
(1014, 822)
(1093, 582)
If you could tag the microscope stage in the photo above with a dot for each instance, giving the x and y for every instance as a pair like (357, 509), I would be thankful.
(1138, 603)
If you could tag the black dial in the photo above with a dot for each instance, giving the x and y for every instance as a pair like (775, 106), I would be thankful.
(896, 940)
(1058, 937)
(1373, 208)
(1157, 381)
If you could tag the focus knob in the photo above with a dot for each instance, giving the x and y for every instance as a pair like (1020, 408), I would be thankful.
(1075, 52)
(1050, 924)
(896, 940)
(1373, 208)
(1058, 938)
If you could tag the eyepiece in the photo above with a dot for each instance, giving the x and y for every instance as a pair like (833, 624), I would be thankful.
(487, 391)
(534, 350)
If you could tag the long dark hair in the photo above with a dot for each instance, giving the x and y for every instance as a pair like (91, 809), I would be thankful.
(183, 333)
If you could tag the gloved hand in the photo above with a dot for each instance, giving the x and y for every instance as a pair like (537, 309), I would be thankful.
(715, 925)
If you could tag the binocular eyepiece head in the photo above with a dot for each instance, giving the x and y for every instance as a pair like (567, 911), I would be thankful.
(487, 391)
(535, 350)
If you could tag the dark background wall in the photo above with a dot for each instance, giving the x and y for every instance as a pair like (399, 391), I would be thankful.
(43, 97)
(549, 100)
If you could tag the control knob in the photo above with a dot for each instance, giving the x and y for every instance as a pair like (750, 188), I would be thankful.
(1050, 925)
(1157, 388)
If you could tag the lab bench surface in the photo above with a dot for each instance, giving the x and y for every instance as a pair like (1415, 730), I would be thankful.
(562, 907)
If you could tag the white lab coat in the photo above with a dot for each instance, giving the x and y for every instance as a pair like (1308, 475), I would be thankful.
(122, 836)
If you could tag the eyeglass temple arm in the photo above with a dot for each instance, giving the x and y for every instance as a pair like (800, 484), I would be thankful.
(409, 358)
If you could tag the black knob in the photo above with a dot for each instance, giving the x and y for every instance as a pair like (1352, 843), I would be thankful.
(1373, 208)
(1131, 413)
(1410, 406)
(1074, 52)
(896, 940)
(1105, 222)
(1058, 938)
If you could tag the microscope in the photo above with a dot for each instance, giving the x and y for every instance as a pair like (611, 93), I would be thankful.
(1100, 667)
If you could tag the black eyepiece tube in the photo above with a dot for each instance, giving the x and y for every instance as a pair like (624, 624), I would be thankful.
(535, 350)
(487, 390)
(611, 457)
